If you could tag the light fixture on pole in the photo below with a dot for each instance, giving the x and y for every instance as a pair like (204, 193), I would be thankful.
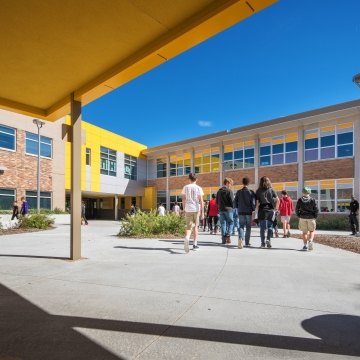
(39, 125)
(356, 80)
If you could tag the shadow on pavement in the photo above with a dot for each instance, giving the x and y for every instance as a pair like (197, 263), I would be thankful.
(28, 332)
(36, 257)
(169, 250)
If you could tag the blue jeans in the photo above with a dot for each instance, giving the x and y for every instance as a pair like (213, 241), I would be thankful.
(266, 225)
(236, 220)
(226, 223)
(245, 223)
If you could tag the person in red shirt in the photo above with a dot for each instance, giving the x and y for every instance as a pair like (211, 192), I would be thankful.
(213, 215)
(286, 209)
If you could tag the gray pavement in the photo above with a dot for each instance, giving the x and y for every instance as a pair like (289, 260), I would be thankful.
(147, 299)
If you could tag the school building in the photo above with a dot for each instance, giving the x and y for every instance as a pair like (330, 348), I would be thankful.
(318, 148)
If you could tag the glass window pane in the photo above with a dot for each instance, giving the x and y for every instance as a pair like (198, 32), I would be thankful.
(265, 161)
(327, 153)
(187, 170)
(278, 148)
(311, 143)
(264, 150)
(45, 150)
(180, 171)
(249, 153)
(7, 141)
(215, 167)
(345, 138)
(327, 140)
(249, 162)
(228, 156)
(345, 150)
(238, 164)
(239, 154)
(291, 146)
(327, 206)
(344, 193)
(228, 165)
(327, 194)
(291, 157)
(31, 147)
(278, 159)
(311, 155)
(343, 206)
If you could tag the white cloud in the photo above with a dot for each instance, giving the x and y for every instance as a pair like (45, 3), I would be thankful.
(203, 123)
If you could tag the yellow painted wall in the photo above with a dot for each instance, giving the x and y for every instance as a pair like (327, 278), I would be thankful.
(149, 198)
(95, 137)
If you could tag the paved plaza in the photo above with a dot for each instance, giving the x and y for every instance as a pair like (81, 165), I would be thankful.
(147, 299)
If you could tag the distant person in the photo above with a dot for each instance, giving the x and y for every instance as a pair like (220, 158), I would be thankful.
(194, 209)
(286, 209)
(176, 209)
(354, 211)
(206, 220)
(83, 213)
(245, 203)
(161, 210)
(15, 213)
(133, 209)
(225, 202)
(307, 211)
(213, 215)
(24, 211)
(267, 203)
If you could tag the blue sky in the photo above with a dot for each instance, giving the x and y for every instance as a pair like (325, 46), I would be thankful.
(292, 57)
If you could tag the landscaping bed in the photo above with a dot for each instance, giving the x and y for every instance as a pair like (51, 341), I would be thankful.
(349, 243)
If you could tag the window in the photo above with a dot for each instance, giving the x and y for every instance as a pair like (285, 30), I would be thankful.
(180, 164)
(88, 156)
(239, 156)
(332, 195)
(7, 197)
(161, 198)
(7, 138)
(107, 161)
(175, 196)
(290, 187)
(329, 142)
(130, 167)
(32, 145)
(207, 160)
(45, 199)
(161, 168)
(278, 150)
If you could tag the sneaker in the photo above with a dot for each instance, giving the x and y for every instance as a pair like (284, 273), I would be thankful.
(227, 239)
(268, 243)
(304, 248)
(285, 236)
(288, 234)
(240, 244)
(247, 245)
(276, 234)
(262, 245)
(311, 246)
(195, 247)
(186, 245)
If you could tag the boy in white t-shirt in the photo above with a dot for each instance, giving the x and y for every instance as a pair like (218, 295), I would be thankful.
(193, 203)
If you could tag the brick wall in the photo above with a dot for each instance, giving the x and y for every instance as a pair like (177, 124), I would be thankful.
(209, 179)
(281, 173)
(159, 184)
(22, 169)
(238, 175)
(178, 182)
(329, 169)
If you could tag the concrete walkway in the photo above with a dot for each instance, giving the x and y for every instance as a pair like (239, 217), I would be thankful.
(147, 299)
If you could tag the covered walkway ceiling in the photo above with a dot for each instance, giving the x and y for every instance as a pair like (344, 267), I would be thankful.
(52, 48)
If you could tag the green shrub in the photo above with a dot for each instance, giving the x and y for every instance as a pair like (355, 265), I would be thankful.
(149, 224)
(48, 211)
(37, 221)
(325, 222)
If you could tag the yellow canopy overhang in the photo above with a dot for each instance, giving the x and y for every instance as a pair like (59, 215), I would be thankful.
(51, 49)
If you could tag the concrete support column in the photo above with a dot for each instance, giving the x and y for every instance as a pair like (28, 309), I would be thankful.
(256, 161)
(192, 154)
(116, 202)
(300, 160)
(221, 173)
(356, 159)
(75, 195)
(167, 181)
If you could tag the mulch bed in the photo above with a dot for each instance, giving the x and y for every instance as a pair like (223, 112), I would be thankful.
(349, 243)
(20, 230)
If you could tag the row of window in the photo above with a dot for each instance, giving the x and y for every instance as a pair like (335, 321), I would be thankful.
(8, 142)
(319, 144)
(330, 195)
(8, 196)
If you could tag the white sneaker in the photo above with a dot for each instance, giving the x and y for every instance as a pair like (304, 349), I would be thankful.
(240, 244)
(186, 245)
(311, 246)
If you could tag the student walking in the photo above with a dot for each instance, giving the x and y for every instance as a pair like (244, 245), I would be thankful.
(307, 211)
(161, 210)
(286, 209)
(24, 211)
(83, 213)
(267, 203)
(245, 203)
(194, 209)
(15, 213)
(354, 210)
(176, 209)
(224, 200)
(213, 215)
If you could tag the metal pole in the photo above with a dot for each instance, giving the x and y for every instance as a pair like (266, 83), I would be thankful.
(39, 125)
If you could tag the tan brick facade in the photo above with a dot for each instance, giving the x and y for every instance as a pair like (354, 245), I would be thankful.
(329, 169)
(178, 182)
(238, 175)
(22, 169)
(159, 184)
(209, 179)
(283, 173)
